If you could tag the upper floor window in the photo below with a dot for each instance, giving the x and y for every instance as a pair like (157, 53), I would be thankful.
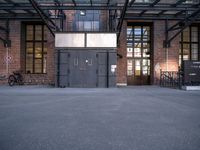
(36, 48)
(87, 20)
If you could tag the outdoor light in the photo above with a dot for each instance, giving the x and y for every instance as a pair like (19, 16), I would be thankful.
(82, 12)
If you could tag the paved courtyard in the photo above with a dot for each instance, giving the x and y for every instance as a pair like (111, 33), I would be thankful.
(131, 118)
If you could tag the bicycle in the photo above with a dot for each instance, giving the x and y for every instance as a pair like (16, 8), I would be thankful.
(15, 78)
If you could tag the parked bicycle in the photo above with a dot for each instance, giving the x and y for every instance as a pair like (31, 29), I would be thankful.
(15, 78)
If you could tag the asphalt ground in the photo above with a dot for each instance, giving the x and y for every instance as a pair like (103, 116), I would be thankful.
(130, 118)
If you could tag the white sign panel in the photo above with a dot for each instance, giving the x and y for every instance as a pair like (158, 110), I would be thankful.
(69, 40)
(101, 40)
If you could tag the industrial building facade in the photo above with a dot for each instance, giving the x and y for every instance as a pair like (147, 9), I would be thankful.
(152, 35)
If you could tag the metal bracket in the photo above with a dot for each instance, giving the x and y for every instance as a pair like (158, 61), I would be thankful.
(6, 41)
(46, 18)
(119, 26)
(179, 27)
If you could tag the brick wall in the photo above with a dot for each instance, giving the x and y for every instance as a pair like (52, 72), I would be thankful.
(17, 54)
(13, 51)
(122, 62)
(159, 59)
(160, 53)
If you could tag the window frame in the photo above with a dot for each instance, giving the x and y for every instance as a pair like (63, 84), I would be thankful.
(92, 16)
(190, 43)
(34, 42)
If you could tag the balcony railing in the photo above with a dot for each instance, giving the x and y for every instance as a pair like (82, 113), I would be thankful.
(172, 79)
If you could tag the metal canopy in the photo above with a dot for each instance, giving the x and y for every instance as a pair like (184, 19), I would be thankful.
(185, 11)
(136, 9)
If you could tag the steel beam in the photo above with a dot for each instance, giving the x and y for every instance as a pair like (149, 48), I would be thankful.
(42, 15)
(180, 26)
(131, 2)
(6, 40)
(178, 3)
(10, 11)
(94, 7)
(142, 12)
(123, 13)
(162, 12)
(74, 2)
(16, 4)
(154, 3)
(108, 2)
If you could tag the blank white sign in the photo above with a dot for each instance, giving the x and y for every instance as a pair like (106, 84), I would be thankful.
(69, 40)
(101, 40)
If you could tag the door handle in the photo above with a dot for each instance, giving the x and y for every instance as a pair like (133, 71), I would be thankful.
(75, 61)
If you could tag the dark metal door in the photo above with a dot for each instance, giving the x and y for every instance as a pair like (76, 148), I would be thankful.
(82, 69)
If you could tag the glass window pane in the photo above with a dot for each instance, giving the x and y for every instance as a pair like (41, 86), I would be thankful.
(96, 26)
(186, 35)
(146, 33)
(38, 32)
(146, 50)
(129, 52)
(80, 25)
(29, 48)
(29, 32)
(38, 50)
(129, 67)
(146, 67)
(194, 52)
(137, 50)
(129, 35)
(186, 51)
(137, 67)
(137, 33)
(194, 35)
(87, 26)
(45, 64)
(38, 65)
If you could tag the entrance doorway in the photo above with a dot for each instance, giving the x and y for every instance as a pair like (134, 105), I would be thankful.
(86, 68)
(83, 69)
(138, 54)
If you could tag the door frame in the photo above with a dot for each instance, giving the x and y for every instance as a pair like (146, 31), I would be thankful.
(151, 25)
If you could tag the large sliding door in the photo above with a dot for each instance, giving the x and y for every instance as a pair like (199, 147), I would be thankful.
(138, 54)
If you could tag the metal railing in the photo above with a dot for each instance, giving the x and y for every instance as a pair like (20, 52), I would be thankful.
(172, 79)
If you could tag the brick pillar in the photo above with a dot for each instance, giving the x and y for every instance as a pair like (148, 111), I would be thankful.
(160, 53)
(122, 62)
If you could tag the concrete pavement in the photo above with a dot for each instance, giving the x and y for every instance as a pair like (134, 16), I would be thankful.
(131, 118)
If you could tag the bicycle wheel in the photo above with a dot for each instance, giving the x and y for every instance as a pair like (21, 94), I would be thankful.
(11, 80)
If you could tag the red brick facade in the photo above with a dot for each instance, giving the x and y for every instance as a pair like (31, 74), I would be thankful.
(159, 58)
(17, 55)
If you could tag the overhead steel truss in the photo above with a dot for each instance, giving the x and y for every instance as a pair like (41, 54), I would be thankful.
(5, 30)
(184, 11)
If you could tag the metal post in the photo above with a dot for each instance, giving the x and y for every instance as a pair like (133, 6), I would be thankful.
(7, 49)
(7, 60)
(58, 68)
(107, 79)
(166, 43)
